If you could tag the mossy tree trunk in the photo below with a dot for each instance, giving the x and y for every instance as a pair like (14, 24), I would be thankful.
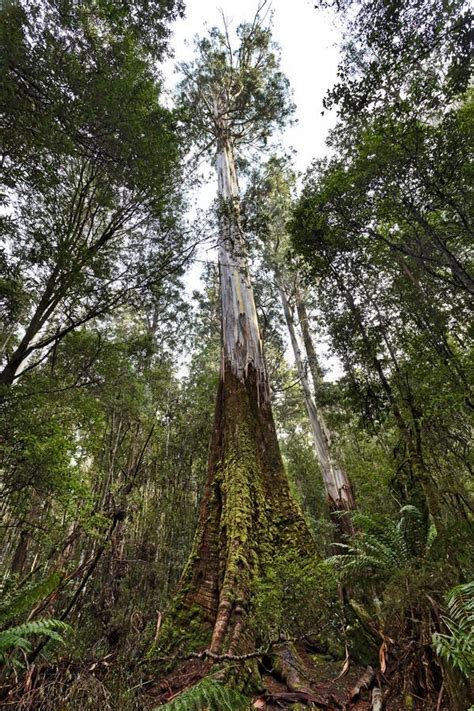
(235, 98)
(247, 514)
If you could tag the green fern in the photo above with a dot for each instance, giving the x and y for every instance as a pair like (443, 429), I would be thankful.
(380, 548)
(15, 639)
(16, 602)
(457, 647)
(208, 694)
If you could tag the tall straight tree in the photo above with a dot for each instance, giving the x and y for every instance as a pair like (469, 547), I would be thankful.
(339, 492)
(269, 214)
(234, 99)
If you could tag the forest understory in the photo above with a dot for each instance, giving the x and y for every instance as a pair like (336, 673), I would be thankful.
(255, 491)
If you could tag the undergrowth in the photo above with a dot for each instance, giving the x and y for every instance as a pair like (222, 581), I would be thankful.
(208, 694)
(15, 639)
(457, 645)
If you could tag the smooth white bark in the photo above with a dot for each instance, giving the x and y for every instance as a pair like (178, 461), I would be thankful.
(242, 344)
(336, 483)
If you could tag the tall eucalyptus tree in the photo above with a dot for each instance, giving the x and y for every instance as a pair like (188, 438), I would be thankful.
(234, 99)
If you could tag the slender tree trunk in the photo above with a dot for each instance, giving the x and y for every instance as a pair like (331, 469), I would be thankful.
(339, 492)
(23, 546)
(41, 314)
(311, 356)
(19, 556)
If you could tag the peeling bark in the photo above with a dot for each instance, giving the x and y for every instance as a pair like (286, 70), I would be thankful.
(241, 342)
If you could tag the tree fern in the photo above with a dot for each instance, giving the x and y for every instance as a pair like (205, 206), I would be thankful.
(457, 646)
(210, 695)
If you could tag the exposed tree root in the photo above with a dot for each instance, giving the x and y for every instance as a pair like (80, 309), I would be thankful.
(287, 676)
(289, 667)
(365, 682)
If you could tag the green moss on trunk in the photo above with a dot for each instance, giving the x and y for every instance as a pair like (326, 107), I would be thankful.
(247, 519)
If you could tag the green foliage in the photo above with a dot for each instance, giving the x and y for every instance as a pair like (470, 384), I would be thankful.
(15, 602)
(383, 227)
(208, 694)
(457, 645)
(244, 83)
(87, 142)
(100, 77)
(410, 55)
(17, 639)
(105, 421)
(381, 546)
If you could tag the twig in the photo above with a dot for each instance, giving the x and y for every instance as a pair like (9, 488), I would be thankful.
(207, 654)
(440, 697)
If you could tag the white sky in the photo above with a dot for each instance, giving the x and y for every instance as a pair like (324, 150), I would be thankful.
(308, 39)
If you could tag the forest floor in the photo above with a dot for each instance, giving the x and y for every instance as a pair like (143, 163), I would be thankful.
(331, 689)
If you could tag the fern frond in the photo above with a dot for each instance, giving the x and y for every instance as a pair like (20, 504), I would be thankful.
(379, 547)
(17, 638)
(208, 695)
(11, 639)
(457, 647)
(364, 522)
(45, 626)
(15, 603)
(461, 604)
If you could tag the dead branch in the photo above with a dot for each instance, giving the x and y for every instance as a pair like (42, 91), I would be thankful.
(262, 652)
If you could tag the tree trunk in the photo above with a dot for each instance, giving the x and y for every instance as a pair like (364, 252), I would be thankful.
(312, 358)
(247, 515)
(339, 493)
(19, 557)
(41, 314)
(241, 343)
